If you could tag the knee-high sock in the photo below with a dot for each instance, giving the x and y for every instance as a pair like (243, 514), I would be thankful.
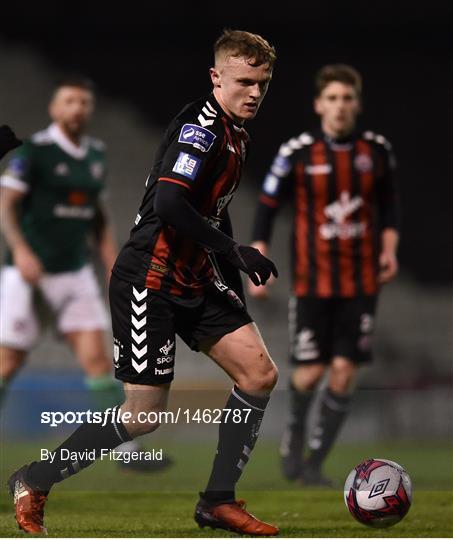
(236, 441)
(294, 435)
(74, 454)
(334, 408)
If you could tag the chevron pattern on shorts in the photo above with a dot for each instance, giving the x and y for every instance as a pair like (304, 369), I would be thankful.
(138, 333)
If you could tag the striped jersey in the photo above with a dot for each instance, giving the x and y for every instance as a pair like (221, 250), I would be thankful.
(203, 150)
(344, 195)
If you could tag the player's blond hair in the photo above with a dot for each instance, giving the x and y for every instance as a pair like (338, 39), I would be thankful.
(338, 73)
(238, 43)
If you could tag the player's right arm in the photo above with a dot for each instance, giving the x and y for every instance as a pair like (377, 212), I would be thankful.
(272, 193)
(14, 184)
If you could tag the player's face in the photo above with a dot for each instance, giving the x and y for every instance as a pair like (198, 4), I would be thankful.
(338, 105)
(240, 87)
(71, 108)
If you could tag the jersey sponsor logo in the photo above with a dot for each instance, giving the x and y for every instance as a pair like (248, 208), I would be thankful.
(17, 166)
(338, 211)
(138, 217)
(363, 163)
(305, 346)
(74, 212)
(199, 137)
(281, 165)
(270, 185)
(187, 165)
(61, 169)
(324, 168)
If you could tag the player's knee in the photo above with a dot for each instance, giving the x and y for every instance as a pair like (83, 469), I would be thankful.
(260, 379)
(141, 422)
(306, 378)
(342, 375)
(12, 360)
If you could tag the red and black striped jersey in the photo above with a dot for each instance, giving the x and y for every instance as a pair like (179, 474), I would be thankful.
(204, 151)
(344, 195)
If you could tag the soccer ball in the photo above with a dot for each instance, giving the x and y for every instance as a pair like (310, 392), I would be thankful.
(378, 493)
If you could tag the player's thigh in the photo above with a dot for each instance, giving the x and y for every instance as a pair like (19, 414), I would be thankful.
(353, 328)
(143, 329)
(76, 299)
(90, 349)
(310, 331)
(243, 355)
(18, 322)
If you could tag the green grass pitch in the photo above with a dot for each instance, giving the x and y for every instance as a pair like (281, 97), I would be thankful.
(105, 502)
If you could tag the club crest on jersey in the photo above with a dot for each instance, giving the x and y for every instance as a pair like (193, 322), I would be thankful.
(187, 165)
(62, 169)
(363, 163)
(199, 137)
(97, 170)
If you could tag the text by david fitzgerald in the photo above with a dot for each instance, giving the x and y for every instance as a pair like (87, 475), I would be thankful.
(104, 453)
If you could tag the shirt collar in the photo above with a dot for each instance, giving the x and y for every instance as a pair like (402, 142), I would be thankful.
(212, 100)
(60, 139)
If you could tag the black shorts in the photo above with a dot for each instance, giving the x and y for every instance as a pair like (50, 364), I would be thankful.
(321, 328)
(144, 325)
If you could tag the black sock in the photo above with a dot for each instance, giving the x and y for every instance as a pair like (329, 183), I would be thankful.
(334, 408)
(294, 435)
(88, 437)
(236, 441)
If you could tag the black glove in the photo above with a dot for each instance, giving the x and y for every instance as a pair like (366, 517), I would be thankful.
(8, 140)
(249, 260)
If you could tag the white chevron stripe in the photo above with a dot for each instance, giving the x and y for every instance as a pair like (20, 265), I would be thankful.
(139, 296)
(138, 324)
(204, 122)
(139, 367)
(138, 309)
(209, 113)
(139, 352)
(138, 338)
(210, 107)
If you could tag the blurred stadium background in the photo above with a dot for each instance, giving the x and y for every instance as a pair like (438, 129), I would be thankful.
(146, 67)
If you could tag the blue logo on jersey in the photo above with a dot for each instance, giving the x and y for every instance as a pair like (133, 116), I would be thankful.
(197, 136)
(17, 166)
(187, 165)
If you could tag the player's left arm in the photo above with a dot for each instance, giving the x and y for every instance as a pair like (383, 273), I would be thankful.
(229, 272)
(389, 214)
(105, 238)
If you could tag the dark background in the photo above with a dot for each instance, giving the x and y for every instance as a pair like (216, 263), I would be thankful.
(157, 58)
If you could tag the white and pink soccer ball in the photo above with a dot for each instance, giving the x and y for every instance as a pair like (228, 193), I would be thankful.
(378, 493)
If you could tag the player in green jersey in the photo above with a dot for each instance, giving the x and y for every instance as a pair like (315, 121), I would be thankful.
(51, 204)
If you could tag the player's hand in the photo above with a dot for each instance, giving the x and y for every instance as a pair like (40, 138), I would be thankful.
(28, 264)
(388, 265)
(8, 140)
(248, 259)
(261, 292)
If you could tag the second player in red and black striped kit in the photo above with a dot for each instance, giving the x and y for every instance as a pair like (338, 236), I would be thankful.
(343, 247)
(164, 283)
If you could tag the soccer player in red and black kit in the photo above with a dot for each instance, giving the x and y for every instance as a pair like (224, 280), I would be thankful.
(343, 248)
(164, 283)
